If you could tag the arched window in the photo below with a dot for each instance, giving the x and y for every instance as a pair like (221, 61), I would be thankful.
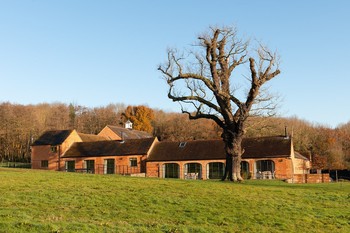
(193, 171)
(215, 170)
(245, 173)
(265, 169)
(171, 170)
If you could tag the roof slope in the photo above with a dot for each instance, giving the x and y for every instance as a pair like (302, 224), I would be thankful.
(109, 148)
(90, 137)
(54, 137)
(299, 156)
(129, 133)
(265, 147)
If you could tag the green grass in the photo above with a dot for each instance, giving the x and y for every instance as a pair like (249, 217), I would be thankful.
(43, 201)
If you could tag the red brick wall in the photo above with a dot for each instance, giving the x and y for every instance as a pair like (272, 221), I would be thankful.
(311, 178)
(121, 162)
(152, 169)
(40, 153)
(283, 167)
(155, 169)
(44, 152)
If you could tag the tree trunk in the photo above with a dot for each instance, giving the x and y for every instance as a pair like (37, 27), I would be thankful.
(237, 168)
(228, 168)
(237, 156)
(233, 149)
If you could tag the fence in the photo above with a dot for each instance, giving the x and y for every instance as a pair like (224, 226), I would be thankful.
(118, 169)
(338, 174)
(175, 172)
(15, 165)
(103, 169)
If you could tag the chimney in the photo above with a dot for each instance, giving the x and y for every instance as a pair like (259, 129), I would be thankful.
(285, 132)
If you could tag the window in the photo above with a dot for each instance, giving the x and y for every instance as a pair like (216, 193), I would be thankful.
(89, 165)
(171, 170)
(70, 166)
(245, 170)
(133, 162)
(44, 163)
(215, 170)
(54, 149)
(193, 171)
(265, 169)
(265, 165)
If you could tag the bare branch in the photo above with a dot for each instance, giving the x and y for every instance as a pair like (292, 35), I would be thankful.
(199, 115)
(208, 74)
(193, 98)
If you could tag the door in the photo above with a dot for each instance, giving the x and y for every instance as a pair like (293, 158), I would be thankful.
(109, 166)
(70, 166)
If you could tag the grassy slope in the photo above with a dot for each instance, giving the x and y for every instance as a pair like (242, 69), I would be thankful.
(41, 201)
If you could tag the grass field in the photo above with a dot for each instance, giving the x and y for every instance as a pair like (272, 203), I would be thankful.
(42, 201)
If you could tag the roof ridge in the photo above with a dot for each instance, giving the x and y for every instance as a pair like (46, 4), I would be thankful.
(89, 134)
(121, 127)
(263, 137)
(59, 130)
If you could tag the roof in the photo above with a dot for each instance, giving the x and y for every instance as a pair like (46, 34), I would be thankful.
(109, 148)
(265, 147)
(129, 133)
(90, 137)
(300, 156)
(54, 137)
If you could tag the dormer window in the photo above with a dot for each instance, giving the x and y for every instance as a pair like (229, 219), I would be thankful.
(182, 144)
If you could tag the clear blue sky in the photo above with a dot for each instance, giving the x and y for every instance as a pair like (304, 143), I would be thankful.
(98, 52)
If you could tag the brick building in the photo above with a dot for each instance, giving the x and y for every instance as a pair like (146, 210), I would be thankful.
(263, 158)
(117, 150)
(46, 151)
(109, 157)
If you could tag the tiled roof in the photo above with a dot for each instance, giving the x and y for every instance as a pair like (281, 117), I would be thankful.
(90, 137)
(129, 133)
(265, 147)
(54, 137)
(109, 148)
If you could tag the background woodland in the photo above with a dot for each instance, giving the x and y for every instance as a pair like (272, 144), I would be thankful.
(20, 125)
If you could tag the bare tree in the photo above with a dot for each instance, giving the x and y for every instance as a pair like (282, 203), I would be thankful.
(204, 90)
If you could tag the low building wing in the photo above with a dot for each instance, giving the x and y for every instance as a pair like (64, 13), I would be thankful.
(109, 148)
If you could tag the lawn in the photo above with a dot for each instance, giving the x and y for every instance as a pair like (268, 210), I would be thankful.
(44, 201)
